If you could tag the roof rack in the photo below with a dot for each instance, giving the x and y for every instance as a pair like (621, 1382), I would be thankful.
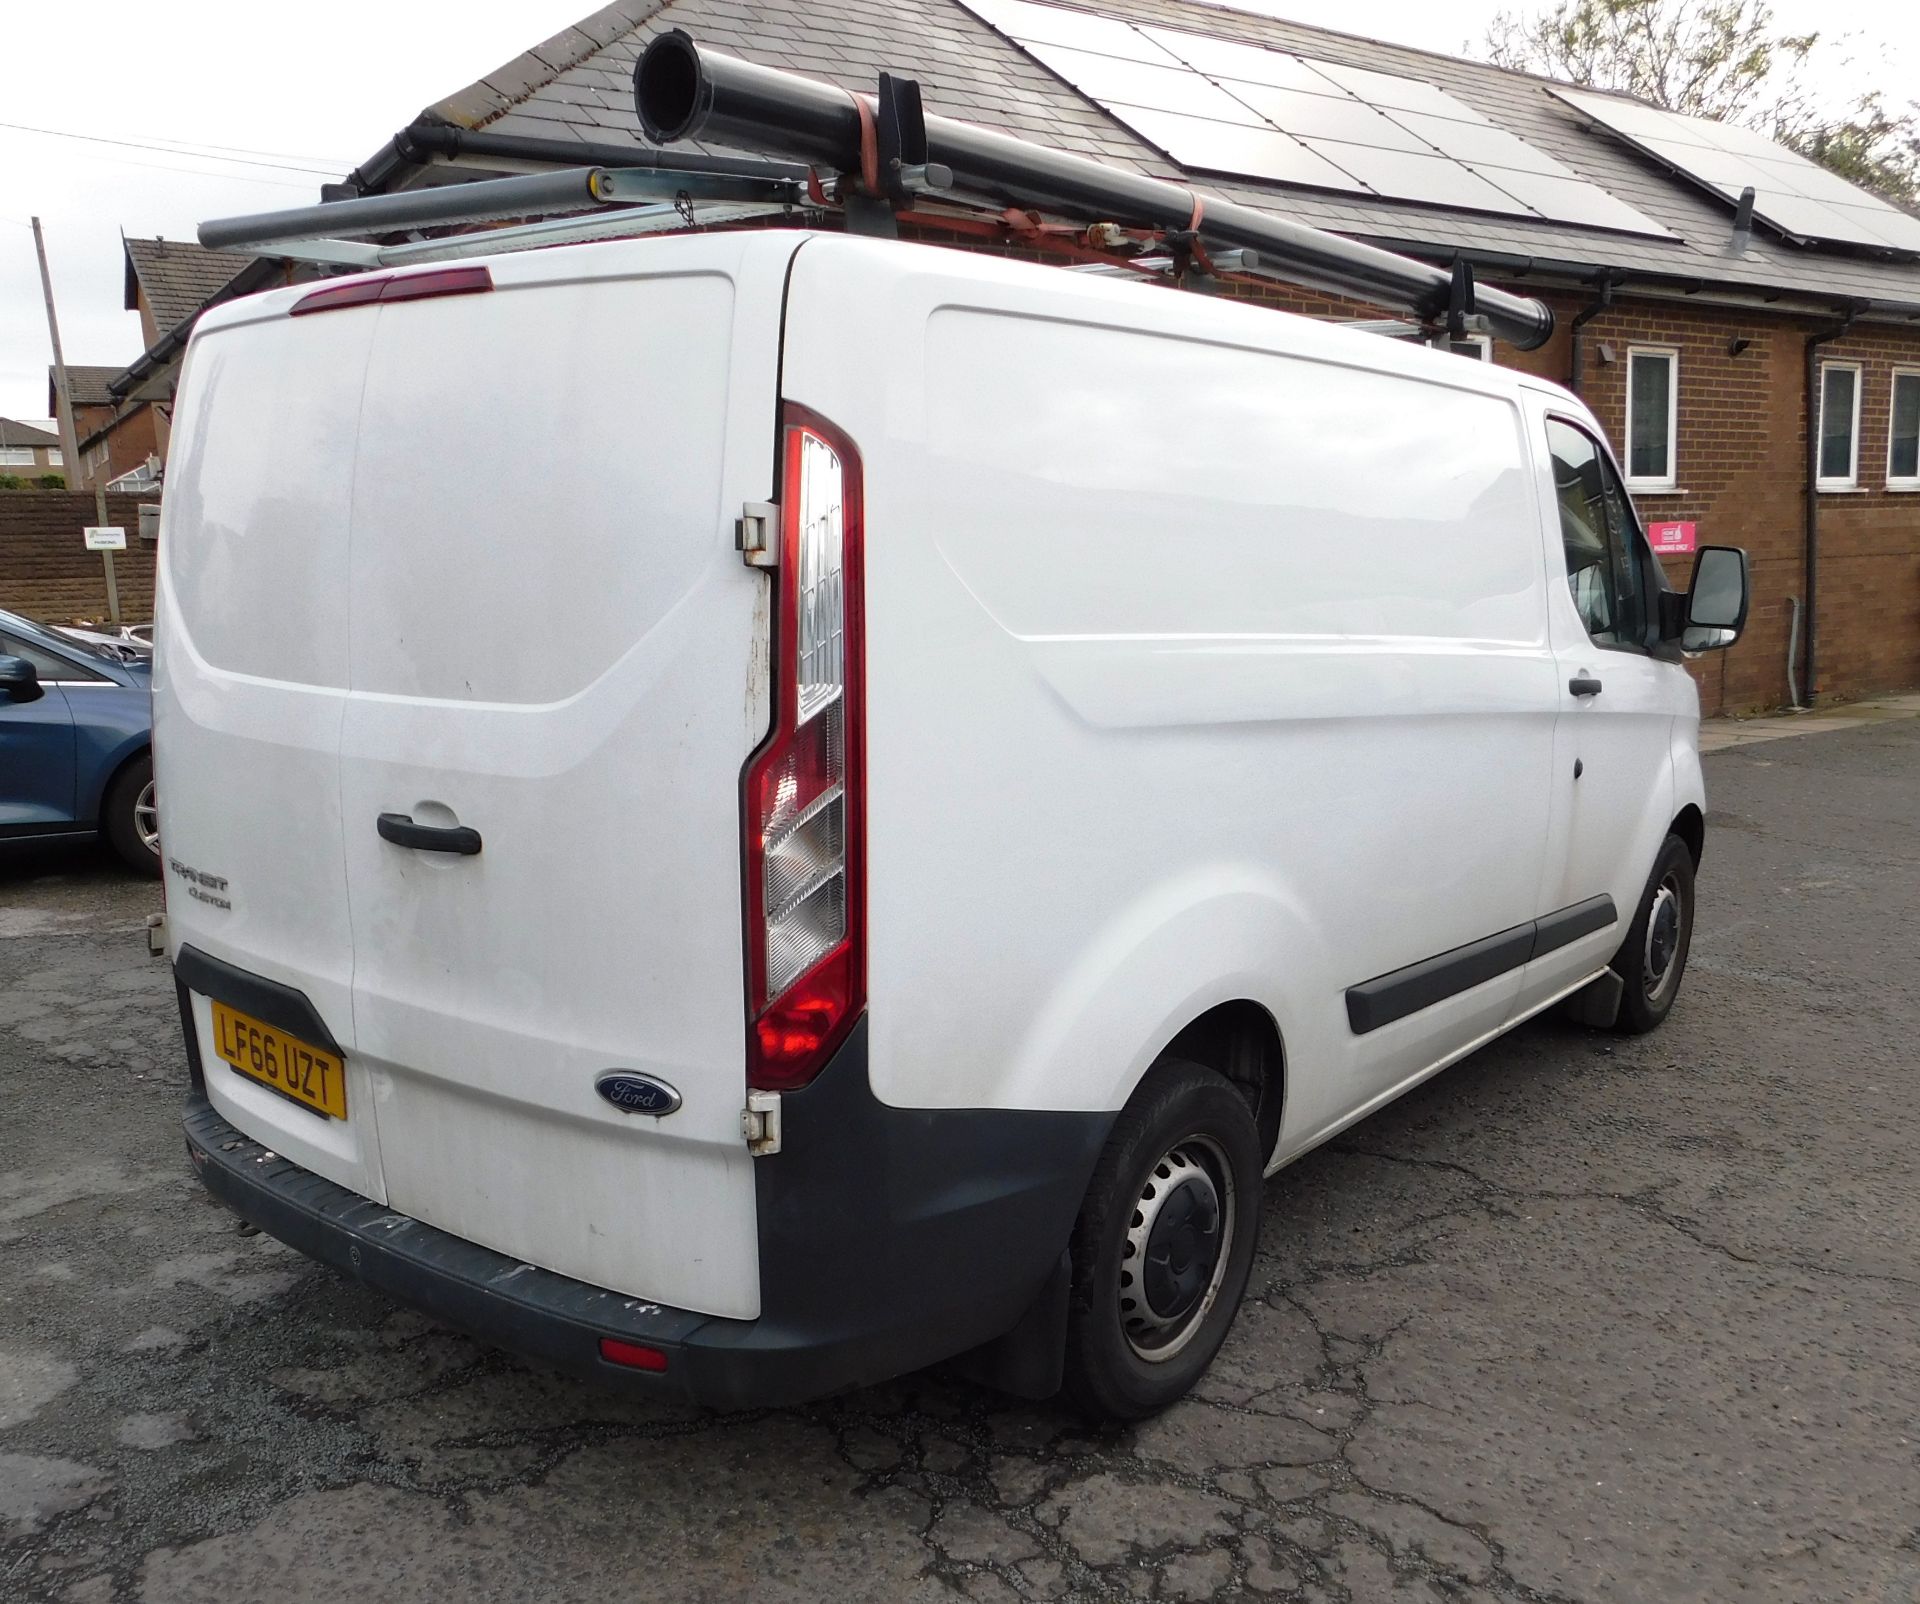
(891, 163)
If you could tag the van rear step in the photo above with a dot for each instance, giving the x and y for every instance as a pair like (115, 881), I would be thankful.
(891, 1239)
(531, 1311)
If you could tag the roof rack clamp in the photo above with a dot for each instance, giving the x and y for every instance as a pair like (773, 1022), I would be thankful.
(1460, 299)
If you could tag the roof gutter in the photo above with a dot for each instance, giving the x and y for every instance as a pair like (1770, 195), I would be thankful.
(1820, 336)
(256, 275)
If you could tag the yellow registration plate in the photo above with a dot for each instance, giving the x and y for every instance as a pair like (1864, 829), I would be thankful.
(314, 1079)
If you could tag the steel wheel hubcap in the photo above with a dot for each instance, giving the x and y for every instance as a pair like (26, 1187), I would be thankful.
(1663, 936)
(146, 819)
(1176, 1249)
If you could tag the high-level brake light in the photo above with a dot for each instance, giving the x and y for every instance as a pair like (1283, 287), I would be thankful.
(806, 885)
(395, 287)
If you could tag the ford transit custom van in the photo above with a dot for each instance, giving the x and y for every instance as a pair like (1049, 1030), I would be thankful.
(750, 812)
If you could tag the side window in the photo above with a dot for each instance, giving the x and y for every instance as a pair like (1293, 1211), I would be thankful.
(45, 664)
(1601, 537)
(1653, 388)
(1903, 438)
(1839, 426)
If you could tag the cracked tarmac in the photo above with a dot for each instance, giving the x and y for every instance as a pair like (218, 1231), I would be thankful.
(1584, 1318)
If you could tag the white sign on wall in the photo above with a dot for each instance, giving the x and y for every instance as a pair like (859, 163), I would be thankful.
(105, 537)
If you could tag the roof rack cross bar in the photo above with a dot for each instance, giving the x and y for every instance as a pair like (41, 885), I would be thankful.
(571, 189)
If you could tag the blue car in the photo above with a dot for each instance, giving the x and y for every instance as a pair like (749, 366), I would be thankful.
(76, 743)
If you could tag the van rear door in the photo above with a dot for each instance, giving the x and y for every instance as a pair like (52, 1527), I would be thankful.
(554, 644)
(249, 690)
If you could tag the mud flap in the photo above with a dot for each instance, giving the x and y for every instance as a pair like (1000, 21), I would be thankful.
(1598, 1003)
(1030, 1360)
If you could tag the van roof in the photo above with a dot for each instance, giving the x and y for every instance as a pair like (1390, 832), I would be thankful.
(1147, 304)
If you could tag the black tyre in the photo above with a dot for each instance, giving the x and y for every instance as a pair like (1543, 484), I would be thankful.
(1164, 1243)
(1653, 959)
(130, 817)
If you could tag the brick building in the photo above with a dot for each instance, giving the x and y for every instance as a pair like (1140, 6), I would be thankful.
(1718, 341)
(28, 452)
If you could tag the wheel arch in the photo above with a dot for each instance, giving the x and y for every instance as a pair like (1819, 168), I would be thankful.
(1240, 1039)
(106, 774)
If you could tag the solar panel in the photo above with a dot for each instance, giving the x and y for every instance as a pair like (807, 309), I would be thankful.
(1111, 80)
(1227, 58)
(1397, 94)
(1227, 106)
(1078, 30)
(1481, 144)
(1225, 148)
(1795, 196)
(1327, 117)
(1404, 175)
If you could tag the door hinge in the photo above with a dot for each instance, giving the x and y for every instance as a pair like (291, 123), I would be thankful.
(756, 533)
(760, 1123)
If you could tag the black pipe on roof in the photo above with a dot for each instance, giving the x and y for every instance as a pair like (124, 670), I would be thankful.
(684, 91)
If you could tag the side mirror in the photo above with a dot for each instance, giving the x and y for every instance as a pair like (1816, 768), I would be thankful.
(1717, 599)
(18, 680)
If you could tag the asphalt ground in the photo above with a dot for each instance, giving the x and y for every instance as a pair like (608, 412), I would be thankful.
(1585, 1318)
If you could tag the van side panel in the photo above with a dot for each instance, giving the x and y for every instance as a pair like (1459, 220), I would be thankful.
(1219, 632)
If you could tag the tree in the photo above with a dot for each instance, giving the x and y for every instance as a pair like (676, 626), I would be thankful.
(1715, 58)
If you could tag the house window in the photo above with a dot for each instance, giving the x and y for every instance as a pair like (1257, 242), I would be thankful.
(1903, 439)
(16, 456)
(53, 457)
(1839, 426)
(1653, 417)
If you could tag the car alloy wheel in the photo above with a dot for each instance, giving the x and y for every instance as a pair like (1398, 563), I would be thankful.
(146, 819)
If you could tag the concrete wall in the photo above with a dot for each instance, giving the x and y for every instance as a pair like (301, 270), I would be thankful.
(46, 571)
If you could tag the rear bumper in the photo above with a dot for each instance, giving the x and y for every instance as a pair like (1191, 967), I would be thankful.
(889, 1239)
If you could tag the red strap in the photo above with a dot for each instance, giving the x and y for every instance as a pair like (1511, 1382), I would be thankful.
(1199, 211)
(869, 145)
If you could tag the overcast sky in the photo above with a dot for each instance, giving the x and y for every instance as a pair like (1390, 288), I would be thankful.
(320, 88)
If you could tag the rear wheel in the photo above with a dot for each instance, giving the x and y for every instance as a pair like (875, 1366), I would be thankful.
(1164, 1243)
(131, 817)
(1653, 959)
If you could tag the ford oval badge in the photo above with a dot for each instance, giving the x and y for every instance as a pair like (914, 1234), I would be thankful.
(634, 1093)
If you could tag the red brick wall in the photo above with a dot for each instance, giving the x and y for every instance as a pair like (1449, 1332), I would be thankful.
(46, 571)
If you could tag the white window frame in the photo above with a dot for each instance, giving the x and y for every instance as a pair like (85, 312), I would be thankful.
(1907, 481)
(16, 456)
(53, 457)
(1852, 479)
(1670, 480)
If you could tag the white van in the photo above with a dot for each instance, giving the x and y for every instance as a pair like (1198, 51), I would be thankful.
(753, 812)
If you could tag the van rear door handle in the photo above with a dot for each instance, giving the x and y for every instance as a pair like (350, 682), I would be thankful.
(400, 829)
(1580, 685)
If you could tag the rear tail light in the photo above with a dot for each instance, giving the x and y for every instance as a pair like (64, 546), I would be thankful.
(805, 835)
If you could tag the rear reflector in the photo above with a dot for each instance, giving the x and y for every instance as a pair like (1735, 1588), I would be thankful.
(391, 287)
(632, 1355)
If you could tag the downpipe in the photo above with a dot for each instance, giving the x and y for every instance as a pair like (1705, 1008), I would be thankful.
(683, 90)
(1811, 559)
